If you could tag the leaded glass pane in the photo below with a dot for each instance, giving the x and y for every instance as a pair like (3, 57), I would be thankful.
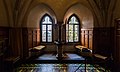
(49, 27)
(76, 27)
(47, 20)
(70, 27)
(44, 36)
(76, 36)
(43, 27)
(49, 33)
(72, 30)
(46, 29)
(49, 36)
(73, 20)
(49, 39)
(70, 36)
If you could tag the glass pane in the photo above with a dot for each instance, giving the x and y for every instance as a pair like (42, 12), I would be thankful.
(49, 39)
(76, 20)
(70, 27)
(76, 36)
(49, 33)
(70, 36)
(49, 27)
(43, 27)
(73, 20)
(73, 29)
(76, 27)
(47, 20)
(43, 36)
(49, 36)
(70, 21)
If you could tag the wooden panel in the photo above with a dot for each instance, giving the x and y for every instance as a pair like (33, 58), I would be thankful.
(25, 43)
(34, 38)
(38, 36)
(117, 24)
(87, 38)
(117, 45)
(30, 39)
(30, 36)
(4, 32)
(90, 41)
(4, 41)
(3, 50)
(82, 38)
(103, 40)
(117, 51)
(118, 32)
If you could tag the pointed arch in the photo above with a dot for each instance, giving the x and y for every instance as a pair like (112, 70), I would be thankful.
(36, 14)
(46, 28)
(73, 29)
(83, 13)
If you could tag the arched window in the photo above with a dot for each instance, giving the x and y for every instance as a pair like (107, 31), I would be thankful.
(46, 28)
(72, 29)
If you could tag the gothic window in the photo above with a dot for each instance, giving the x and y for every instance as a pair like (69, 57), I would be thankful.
(72, 29)
(46, 28)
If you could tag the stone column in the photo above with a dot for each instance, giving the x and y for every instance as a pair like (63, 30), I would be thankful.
(59, 43)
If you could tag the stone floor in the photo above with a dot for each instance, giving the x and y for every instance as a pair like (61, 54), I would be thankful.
(59, 68)
(49, 63)
(66, 56)
(51, 58)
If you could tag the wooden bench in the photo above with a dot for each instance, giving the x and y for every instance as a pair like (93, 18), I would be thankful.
(103, 61)
(100, 56)
(83, 51)
(36, 50)
(38, 47)
(81, 48)
(93, 58)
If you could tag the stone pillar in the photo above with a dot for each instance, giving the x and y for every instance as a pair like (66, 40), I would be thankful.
(59, 43)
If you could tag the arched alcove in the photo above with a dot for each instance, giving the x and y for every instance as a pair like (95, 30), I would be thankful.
(84, 14)
(36, 14)
(33, 25)
(85, 17)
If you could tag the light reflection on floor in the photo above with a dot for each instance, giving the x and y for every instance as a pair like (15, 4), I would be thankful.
(58, 68)
(68, 56)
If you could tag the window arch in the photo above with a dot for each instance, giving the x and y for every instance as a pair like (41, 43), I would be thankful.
(72, 29)
(46, 28)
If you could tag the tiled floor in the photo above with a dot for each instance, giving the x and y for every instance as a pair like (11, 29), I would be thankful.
(66, 56)
(58, 68)
(49, 63)
(51, 58)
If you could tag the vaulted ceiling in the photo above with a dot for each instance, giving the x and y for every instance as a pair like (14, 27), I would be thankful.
(14, 13)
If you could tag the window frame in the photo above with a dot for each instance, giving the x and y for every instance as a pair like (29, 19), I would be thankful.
(73, 29)
(41, 24)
